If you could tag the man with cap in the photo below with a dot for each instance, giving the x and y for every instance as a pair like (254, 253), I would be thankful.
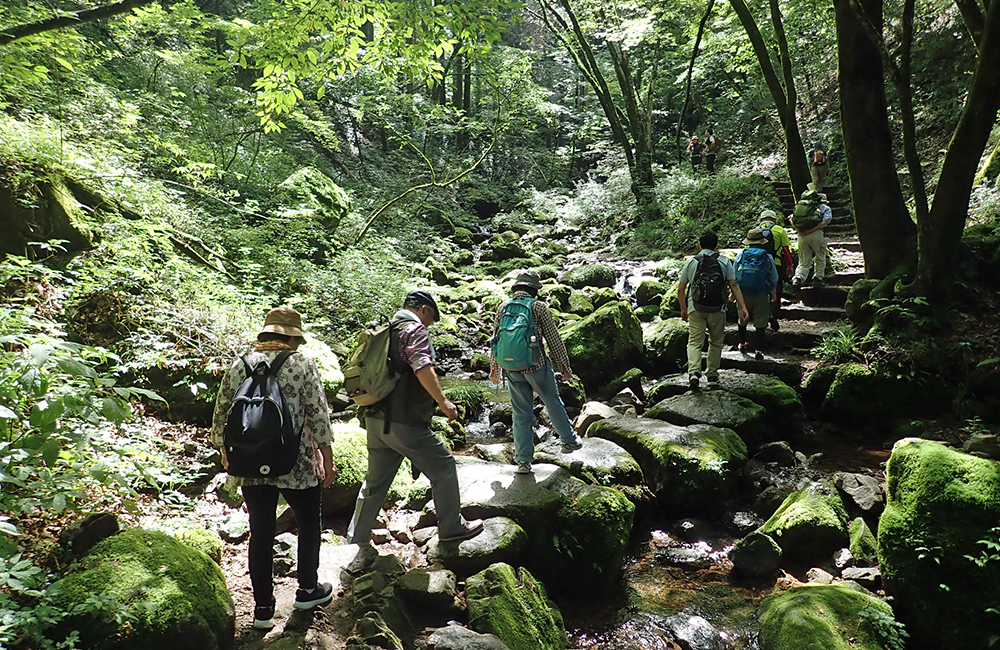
(314, 469)
(812, 248)
(757, 277)
(536, 379)
(400, 426)
(781, 247)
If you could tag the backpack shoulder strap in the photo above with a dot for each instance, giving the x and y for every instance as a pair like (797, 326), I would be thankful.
(246, 365)
(279, 360)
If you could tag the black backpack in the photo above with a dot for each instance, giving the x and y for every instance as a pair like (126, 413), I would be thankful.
(708, 288)
(260, 439)
(768, 244)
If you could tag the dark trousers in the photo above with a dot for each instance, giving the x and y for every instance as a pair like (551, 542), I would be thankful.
(710, 163)
(262, 504)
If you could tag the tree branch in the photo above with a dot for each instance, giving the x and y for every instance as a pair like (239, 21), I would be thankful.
(974, 19)
(69, 20)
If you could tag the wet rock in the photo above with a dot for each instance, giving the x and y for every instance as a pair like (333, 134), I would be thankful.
(604, 344)
(686, 467)
(665, 345)
(770, 499)
(502, 540)
(756, 556)
(826, 616)
(592, 412)
(456, 637)
(56, 213)
(779, 452)
(810, 525)
(599, 462)
(429, 587)
(628, 398)
(589, 275)
(514, 606)
(692, 530)
(940, 498)
(695, 633)
(717, 408)
(686, 557)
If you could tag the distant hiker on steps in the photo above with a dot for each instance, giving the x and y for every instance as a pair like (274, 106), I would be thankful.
(696, 149)
(300, 386)
(712, 148)
(757, 277)
(819, 165)
(521, 323)
(710, 277)
(811, 215)
(780, 246)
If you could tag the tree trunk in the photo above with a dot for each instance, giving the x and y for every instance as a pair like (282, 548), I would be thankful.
(16, 32)
(798, 169)
(642, 174)
(939, 237)
(690, 74)
(884, 225)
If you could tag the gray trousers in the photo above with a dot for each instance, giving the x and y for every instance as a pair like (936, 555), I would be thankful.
(385, 454)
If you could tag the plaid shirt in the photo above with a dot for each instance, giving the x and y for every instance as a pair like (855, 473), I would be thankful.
(550, 333)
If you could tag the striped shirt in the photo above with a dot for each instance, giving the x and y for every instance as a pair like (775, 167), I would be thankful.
(545, 324)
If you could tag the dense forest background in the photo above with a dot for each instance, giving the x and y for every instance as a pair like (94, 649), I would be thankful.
(176, 137)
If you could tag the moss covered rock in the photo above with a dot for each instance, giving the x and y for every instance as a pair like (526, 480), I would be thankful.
(857, 297)
(862, 545)
(589, 275)
(756, 556)
(665, 344)
(557, 295)
(513, 605)
(631, 379)
(605, 344)
(810, 525)
(849, 399)
(670, 306)
(941, 503)
(190, 533)
(817, 385)
(718, 408)
(326, 361)
(504, 246)
(462, 237)
(56, 213)
(309, 193)
(827, 617)
(165, 594)
(686, 467)
(602, 296)
(650, 291)
(350, 452)
(580, 303)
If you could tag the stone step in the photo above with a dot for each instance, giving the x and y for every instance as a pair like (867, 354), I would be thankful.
(827, 296)
(854, 246)
(814, 314)
(793, 335)
(846, 278)
(787, 368)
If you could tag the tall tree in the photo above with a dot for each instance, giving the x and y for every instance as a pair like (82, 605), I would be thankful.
(782, 88)
(884, 225)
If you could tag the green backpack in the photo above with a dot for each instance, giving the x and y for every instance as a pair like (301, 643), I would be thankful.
(515, 344)
(369, 376)
(806, 214)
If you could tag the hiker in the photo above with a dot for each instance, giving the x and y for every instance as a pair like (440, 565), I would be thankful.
(712, 147)
(533, 375)
(780, 246)
(819, 165)
(757, 277)
(400, 426)
(695, 148)
(812, 244)
(314, 468)
(711, 276)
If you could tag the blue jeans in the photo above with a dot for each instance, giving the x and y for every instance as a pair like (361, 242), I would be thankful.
(523, 388)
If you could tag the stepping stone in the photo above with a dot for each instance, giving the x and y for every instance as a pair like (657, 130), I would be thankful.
(847, 277)
(827, 296)
(789, 372)
(789, 337)
(804, 312)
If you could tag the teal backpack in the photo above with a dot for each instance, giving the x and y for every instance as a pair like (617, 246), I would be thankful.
(515, 344)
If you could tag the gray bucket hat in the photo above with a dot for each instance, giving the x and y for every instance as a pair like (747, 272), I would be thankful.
(754, 237)
(528, 279)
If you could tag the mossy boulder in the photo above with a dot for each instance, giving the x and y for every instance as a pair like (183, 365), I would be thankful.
(718, 408)
(687, 468)
(580, 303)
(602, 296)
(827, 617)
(605, 344)
(849, 399)
(56, 213)
(817, 385)
(165, 594)
(863, 545)
(810, 525)
(190, 533)
(462, 237)
(504, 246)
(670, 306)
(647, 313)
(350, 452)
(650, 291)
(326, 362)
(589, 275)
(756, 556)
(557, 295)
(940, 504)
(514, 606)
(631, 379)
(571, 391)
(665, 344)
(488, 293)
(857, 297)
(310, 194)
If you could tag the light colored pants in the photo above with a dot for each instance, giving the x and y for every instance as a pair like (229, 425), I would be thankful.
(385, 454)
(698, 322)
(818, 173)
(812, 250)
(523, 388)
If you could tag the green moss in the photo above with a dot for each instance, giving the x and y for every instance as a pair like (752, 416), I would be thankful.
(647, 313)
(650, 292)
(590, 275)
(810, 524)
(670, 306)
(849, 398)
(863, 546)
(462, 237)
(593, 530)
(602, 296)
(940, 504)
(191, 534)
(580, 303)
(479, 361)
(327, 363)
(547, 271)
(665, 344)
(350, 452)
(172, 596)
(632, 378)
(773, 394)
(604, 344)
(447, 345)
(827, 617)
(514, 606)
(817, 385)
(557, 295)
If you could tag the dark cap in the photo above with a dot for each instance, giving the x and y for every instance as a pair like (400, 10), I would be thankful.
(528, 279)
(423, 297)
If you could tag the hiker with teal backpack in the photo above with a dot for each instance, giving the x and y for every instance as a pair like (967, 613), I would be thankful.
(521, 324)
(399, 425)
(780, 246)
(292, 389)
(757, 277)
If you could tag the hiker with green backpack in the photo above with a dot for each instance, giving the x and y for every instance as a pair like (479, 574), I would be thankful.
(399, 425)
(521, 324)
(810, 216)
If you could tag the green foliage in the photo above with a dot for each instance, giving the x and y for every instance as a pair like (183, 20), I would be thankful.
(837, 346)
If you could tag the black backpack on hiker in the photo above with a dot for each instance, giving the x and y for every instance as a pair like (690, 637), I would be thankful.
(259, 438)
(709, 286)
